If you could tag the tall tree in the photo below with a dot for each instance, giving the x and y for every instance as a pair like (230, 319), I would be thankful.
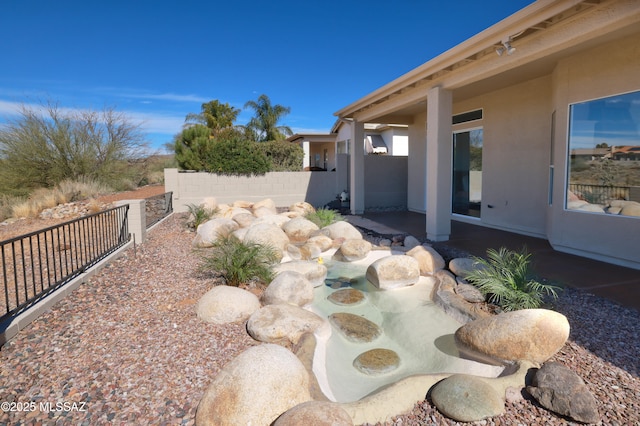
(265, 122)
(215, 115)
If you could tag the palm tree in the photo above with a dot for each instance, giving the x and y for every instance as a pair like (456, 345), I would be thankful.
(265, 122)
(215, 115)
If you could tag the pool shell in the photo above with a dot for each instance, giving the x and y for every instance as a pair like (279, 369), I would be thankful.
(426, 353)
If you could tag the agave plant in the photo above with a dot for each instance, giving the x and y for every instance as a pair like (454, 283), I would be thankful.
(506, 278)
(240, 262)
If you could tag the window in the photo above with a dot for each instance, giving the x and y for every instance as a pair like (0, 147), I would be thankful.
(604, 156)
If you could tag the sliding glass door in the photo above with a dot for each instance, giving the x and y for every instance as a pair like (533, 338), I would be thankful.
(467, 173)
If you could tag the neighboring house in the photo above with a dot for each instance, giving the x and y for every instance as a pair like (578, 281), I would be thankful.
(492, 123)
(390, 139)
(319, 150)
(626, 153)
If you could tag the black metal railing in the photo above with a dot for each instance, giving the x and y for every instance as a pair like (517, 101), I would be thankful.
(158, 207)
(35, 264)
(599, 194)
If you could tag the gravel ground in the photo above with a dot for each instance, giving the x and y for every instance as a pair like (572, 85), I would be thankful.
(127, 349)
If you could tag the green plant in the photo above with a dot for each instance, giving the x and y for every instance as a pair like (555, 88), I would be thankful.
(505, 276)
(284, 156)
(323, 217)
(198, 214)
(239, 262)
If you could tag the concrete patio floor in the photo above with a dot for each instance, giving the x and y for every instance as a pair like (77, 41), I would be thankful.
(602, 279)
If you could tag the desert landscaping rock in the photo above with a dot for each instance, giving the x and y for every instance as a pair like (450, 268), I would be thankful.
(212, 230)
(244, 220)
(355, 328)
(316, 413)
(299, 229)
(346, 297)
(467, 398)
(267, 234)
(462, 266)
(529, 334)
(410, 242)
(562, 391)
(353, 250)
(393, 272)
(341, 229)
(315, 272)
(323, 242)
(302, 207)
(254, 388)
(377, 361)
(470, 293)
(224, 304)
(288, 287)
(428, 259)
(282, 324)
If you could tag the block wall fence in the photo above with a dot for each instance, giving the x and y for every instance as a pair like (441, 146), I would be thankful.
(385, 185)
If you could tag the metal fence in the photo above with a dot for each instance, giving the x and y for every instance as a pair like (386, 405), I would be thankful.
(158, 207)
(35, 264)
(599, 194)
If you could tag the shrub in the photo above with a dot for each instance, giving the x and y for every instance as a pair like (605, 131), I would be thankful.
(236, 157)
(323, 217)
(239, 262)
(505, 276)
(284, 156)
(198, 214)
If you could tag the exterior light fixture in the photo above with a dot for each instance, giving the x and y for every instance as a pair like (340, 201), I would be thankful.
(505, 48)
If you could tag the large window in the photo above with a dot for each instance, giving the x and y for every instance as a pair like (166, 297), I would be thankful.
(604, 156)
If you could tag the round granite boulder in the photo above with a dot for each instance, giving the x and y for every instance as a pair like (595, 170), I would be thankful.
(377, 361)
(528, 334)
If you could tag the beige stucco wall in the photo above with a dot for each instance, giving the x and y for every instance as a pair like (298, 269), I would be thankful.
(385, 181)
(603, 71)
(515, 158)
(318, 148)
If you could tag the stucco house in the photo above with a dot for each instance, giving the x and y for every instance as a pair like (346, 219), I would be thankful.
(492, 122)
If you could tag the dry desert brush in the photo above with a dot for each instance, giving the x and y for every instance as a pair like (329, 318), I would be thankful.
(506, 278)
(240, 262)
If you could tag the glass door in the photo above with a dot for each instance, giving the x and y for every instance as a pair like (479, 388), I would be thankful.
(467, 173)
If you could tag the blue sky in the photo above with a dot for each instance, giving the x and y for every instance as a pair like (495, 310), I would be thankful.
(160, 60)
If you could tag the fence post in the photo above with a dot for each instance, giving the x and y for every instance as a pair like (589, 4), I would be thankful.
(137, 218)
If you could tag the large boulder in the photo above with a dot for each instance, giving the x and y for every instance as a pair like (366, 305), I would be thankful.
(244, 220)
(264, 207)
(224, 304)
(282, 324)
(315, 272)
(274, 219)
(562, 391)
(462, 266)
(391, 272)
(316, 413)
(322, 241)
(212, 230)
(428, 258)
(233, 211)
(355, 328)
(631, 209)
(268, 235)
(302, 207)
(528, 334)
(353, 250)
(299, 229)
(467, 398)
(254, 388)
(288, 287)
(341, 229)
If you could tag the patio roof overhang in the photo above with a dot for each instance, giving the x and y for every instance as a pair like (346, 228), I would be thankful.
(542, 33)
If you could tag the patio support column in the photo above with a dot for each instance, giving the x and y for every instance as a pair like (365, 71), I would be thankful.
(306, 159)
(356, 169)
(439, 157)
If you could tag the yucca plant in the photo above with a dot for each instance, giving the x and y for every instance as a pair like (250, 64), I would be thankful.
(198, 214)
(506, 278)
(323, 217)
(240, 262)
